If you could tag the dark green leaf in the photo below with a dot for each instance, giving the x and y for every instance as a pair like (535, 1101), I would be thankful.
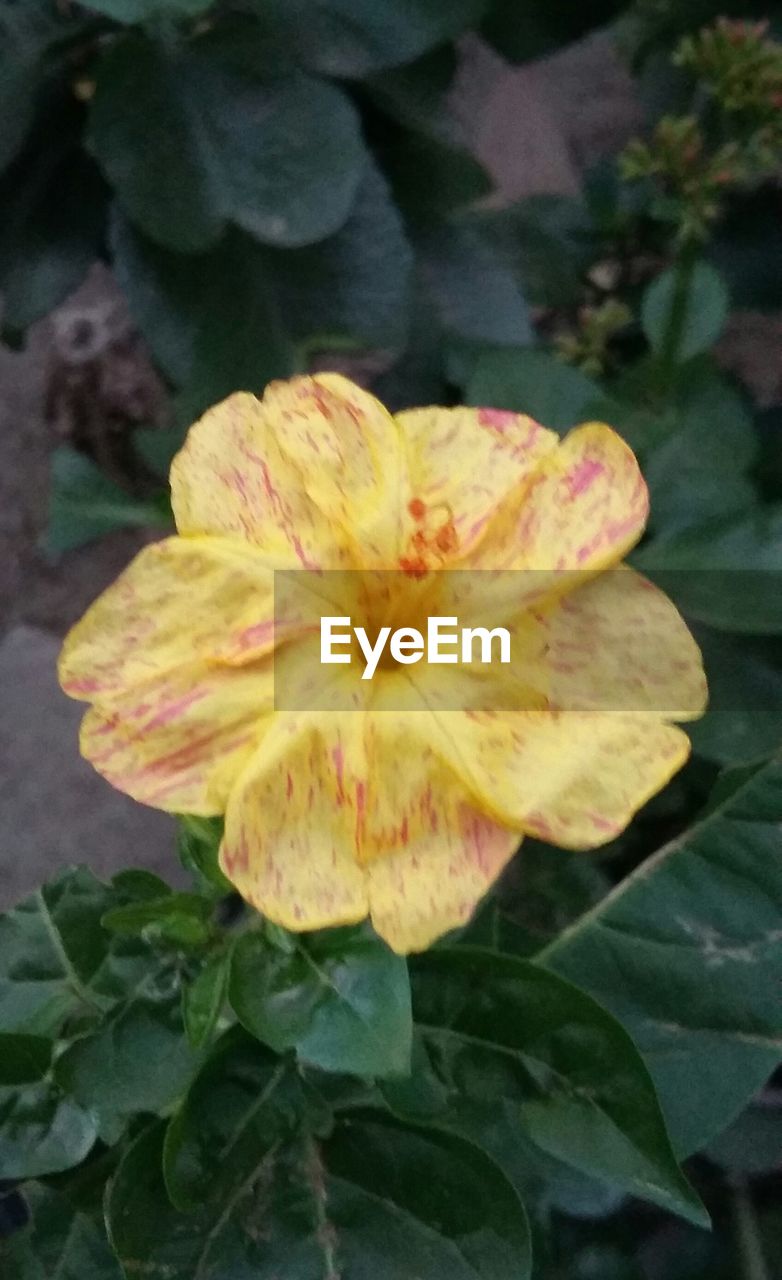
(743, 721)
(149, 10)
(28, 34)
(476, 296)
(532, 382)
(84, 504)
(199, 847)
(61, 1242)
(341, 998)
(355, 284)
(375, 1199)
(704, 311)
(138, 1060)
(724, 573)
(357, 37)
(53, 203)
(189, 146)
(158, 446)
(41, 1130)
(23, 1058)
(432, 179)
(500, 1034)
(244, 1102)
(547, 242)
(213, 320)
(686, 953)
(203, 998)
(54, 955)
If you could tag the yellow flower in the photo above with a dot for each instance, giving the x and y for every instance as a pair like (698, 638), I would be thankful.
(402, 797)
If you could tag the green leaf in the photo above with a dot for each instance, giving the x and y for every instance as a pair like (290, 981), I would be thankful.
(685, 952)
(504, 1036)
(699, 471)
(532, 382)
(341, 998)
(23, 1058)
(84, 504)
(29, 33)
(182, 918)
(137, 1060)
(704, 311)
(356, 283)
(53, 203)
(61, 1242)
(41, 1130)
(243, 1103)
(548, 243)
(723, 572)
(149, 10)
(54, 955)
(743, 721)
(374, 1199)
(198, 846)
(203, 999)
(181, 303)
(190, 145)
(357, 37)
(476, 296)
(432, 179)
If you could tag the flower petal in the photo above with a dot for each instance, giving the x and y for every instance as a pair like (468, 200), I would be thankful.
(572, 778)
(312, 474)
(463, 462)
(291, 825)
(349, 451)
(178, 742)
(585, 506)
(178, 600)
(430, 853)
(619, 644)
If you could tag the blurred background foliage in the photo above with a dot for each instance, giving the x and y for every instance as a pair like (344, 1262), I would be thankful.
(279, 185)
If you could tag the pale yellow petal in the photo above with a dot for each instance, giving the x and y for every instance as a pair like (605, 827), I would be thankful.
(572, 778)
(291, 828)
(313, 474)
(463, 463)
(179, 741)
(431, 854)
(582, 510)
(619, 644)
(180, 600)
(349, 452)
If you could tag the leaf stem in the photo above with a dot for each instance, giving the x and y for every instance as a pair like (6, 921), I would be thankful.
(684, 268)
(752, 1263)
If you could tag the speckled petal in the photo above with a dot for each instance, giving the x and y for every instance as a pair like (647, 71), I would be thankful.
(463, 462)
(312, 474)
(179, 600)
(572, 778)
(291, 828)
(430, 853)
(583, 509)
(619, 644)
(179, 742)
